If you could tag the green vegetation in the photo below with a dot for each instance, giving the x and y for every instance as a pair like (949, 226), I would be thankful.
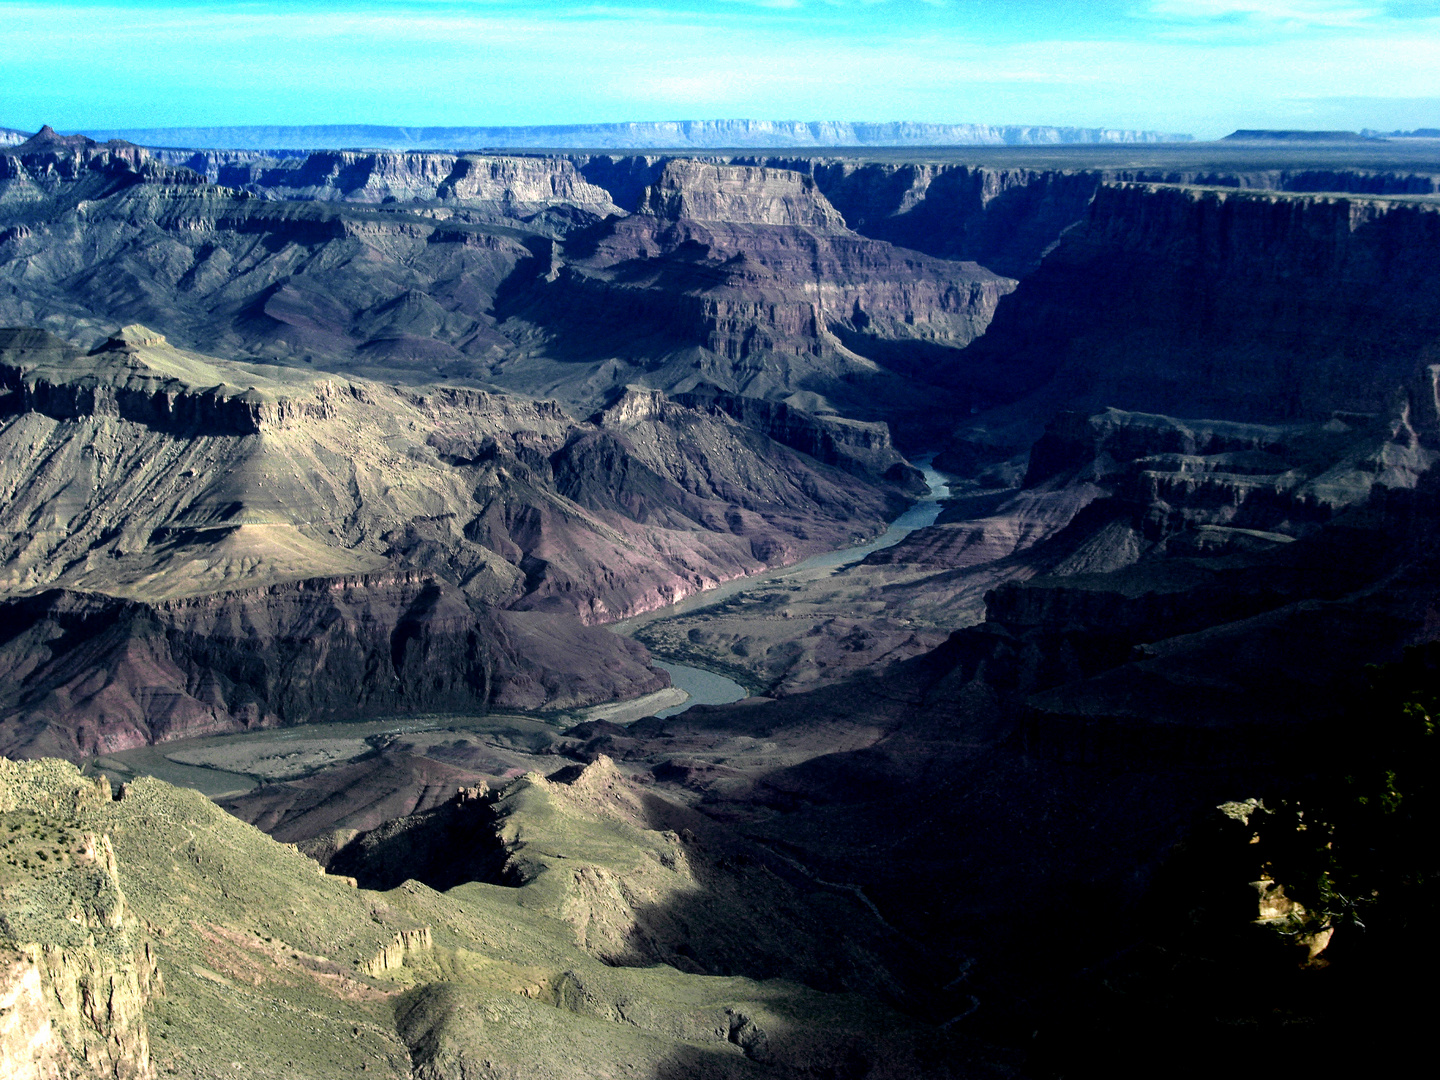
(637, 940)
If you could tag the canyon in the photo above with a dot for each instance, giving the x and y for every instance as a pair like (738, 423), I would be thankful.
(370, 481)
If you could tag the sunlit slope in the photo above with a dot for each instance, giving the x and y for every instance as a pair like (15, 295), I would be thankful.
(261, 965)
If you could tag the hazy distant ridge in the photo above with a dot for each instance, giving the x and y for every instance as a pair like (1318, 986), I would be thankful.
(679, 134)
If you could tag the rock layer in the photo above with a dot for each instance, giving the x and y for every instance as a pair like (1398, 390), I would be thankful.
(80, 971)
(187, 556)
(1225, 304)
(493, 269)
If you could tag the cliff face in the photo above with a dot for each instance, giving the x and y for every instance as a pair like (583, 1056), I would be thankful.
(47, 158)
(41, 374)
(496, 269)
(738, 194)
(1008, 218)
(1225, 304)
(1004, 219)
(506, 187)
(305, 651)
(745, 278)
(852, 445)
(286, 280)
(324, 474)
(1226, 575)
(696, 134)
(79, 972)
(99, 953)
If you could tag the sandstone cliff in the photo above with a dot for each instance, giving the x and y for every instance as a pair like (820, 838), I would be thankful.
(498, 187)
(1008, 218)
(743, 277)
(491, 269)
(853, 445)
(738, 194)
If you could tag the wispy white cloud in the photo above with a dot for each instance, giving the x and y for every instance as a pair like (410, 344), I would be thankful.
(1294, 14)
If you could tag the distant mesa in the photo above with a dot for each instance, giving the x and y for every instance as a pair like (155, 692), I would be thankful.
(1418, 133)
(1298, 136)
(647, 135)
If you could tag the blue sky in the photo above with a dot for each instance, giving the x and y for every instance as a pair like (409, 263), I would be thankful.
(1198, 66)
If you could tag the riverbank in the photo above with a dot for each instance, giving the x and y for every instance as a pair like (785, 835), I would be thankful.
(711, 668)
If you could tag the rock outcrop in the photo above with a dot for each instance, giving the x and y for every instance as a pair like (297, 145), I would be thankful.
(492, 269)
(494, 187)
(853, 445)
(478, 980)
(79, 970)
(28, 1045)
(1008, 219)
(743, 277)
(128, 378)
(85, 674)
(1004, 219)
(738, 195)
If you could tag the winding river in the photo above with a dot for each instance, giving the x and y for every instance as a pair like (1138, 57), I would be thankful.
(708, 688)
(703, 687)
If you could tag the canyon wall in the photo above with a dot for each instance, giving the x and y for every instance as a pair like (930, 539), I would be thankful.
(84, 674)
(181, 556)
(525, 272)
(509, 186)
(1224, 304)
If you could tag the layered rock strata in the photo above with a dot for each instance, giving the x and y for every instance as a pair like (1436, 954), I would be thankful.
(746, 278)
(502, 187)
(1235, 305)
(697, 134)
(491, 269)
(185, 555)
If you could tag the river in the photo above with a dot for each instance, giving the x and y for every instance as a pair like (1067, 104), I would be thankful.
(703, 687)
(708, 688)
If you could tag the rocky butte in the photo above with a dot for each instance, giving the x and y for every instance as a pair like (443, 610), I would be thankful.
(356, 490)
